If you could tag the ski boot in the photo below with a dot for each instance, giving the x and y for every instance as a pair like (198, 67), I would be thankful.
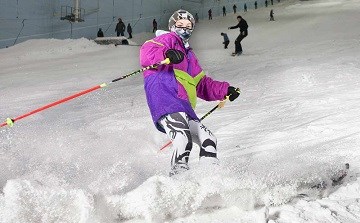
(178, 168)
(236, 53)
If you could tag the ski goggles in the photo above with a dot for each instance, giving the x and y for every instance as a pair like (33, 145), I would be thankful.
(184, 28)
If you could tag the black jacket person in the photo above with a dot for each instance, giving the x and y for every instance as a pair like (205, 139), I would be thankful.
(129, 30)
(120, 28)
(243, 26)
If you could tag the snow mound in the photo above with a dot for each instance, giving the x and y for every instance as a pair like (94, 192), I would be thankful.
(50, 49)
(199, 190)
(24, 201)
(162, 198)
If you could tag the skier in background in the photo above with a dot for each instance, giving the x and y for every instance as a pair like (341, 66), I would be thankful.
(100, 33)
(243, 26)
(234, 8)
(210, 14)
(196, 18)
(120, 28)
(226, 40)
(272, 15)
(154, 26)
(172, 91)
(245, 8)
(224, 11)
(129, 30)
(255, 4)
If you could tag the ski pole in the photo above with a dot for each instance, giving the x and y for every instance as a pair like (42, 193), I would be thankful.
(220, 105)
(10, 121)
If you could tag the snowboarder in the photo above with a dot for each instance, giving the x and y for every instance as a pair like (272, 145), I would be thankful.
(226, 40)
(224, 11)
(210, 14)
(171, 91)
(100, 33)
(272, 15)
(243, 26)
(154, 26)
(234, 8)
(120, 28)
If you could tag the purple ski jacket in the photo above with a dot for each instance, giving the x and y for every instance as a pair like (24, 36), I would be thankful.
(175, 87)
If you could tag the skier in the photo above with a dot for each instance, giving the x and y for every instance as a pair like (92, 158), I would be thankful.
(245, 8)
(243, 33)
(171, 91)
(266, 3)
(255, 4)
(234, 8)
(226, 40)
(224, 11)
(120, 28)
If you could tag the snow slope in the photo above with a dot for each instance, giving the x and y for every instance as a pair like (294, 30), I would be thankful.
(97, 159)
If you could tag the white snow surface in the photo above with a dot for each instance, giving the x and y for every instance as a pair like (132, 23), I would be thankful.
(96, 158)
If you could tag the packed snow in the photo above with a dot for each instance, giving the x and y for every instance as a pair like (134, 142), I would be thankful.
(96, 158)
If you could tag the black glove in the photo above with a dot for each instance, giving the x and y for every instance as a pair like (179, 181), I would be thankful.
(233, 93)
(175, 56)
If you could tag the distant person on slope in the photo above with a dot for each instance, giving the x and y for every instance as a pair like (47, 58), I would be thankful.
(120, 28)
(243, 26)
(210, 14)
(155, 26)
(196, 18)
(272, 15)
(129, 30)
(172, 90)
(100, 33)
(226, 40)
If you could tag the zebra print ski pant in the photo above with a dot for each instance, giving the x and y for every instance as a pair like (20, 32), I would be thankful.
(183, 131)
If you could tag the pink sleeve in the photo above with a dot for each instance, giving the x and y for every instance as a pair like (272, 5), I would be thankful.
(151, 53)
(211, 90)
(208, 89)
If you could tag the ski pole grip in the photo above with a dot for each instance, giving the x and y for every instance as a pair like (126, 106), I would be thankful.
(166, 61)
(222, 103)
